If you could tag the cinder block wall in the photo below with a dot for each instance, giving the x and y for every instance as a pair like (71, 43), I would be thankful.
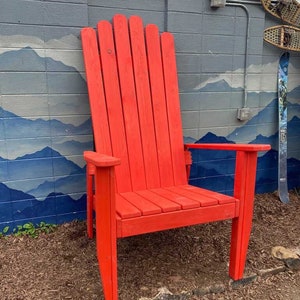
(44, 113)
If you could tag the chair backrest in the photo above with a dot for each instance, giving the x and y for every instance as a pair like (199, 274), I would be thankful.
(134, 99)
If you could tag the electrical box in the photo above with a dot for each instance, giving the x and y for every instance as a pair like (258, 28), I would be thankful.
(217, 3)
(244, 114)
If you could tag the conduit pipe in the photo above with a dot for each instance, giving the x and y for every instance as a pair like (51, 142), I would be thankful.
(238, 4)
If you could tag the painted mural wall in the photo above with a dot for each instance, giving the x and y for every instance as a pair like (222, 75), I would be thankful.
(44, 114)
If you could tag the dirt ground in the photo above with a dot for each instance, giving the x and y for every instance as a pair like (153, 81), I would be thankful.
(186, 263)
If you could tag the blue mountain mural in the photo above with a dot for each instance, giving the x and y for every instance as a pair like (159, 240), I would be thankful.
(43, 163)
(215, 169)
(73, 147)
(53, 204)
(220, 86)
(8, 194)
(57, 187)
(17, 205)
(65, 175)
(73, 184)
(17, 127)
(26, 59)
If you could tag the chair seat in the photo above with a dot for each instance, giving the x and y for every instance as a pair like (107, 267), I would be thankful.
(163, 200)
(170, 207)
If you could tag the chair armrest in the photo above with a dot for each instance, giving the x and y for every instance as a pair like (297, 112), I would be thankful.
(231, 147)
(100, 160)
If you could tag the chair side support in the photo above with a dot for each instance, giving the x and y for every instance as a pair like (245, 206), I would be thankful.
(244, 189)
(102, 167)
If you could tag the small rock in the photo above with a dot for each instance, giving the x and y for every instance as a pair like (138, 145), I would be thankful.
(282, 253)
(292, 263)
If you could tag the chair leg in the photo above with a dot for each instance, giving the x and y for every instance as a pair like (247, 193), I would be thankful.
(241, 230)
(106, 232)
(107, 259)
(89, 204)
(241, 226)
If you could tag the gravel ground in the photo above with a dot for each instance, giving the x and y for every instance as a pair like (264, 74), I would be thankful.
(186, 263)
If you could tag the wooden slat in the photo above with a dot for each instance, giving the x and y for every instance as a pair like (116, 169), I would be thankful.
(113, 102)
(129, 102)
(146, 207)
(125, 209)
(165, 204)
(222, 199)
(144, 101)
(204, 200)
(176, 219)
(159, 105)
(184, 202)
(96, 91)
(173, 107)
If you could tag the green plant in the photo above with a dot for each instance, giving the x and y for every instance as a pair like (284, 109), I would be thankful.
(4, 231)
(46, 228)
(33, 230)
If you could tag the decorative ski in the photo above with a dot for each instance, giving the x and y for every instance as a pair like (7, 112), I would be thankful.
(282, 128)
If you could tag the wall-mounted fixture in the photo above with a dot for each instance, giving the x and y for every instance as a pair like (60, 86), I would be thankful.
(217, 3)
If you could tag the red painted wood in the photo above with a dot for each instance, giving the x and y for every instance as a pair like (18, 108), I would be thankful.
(129, 102)
(188, 162)
(234, 147)
(113, 104)
(203, 198)
(97, 98)
(139, 167)
(166, 205)
(125, 209)
(100, 160)
(221, 198)
(176, 219)
(90, 200)
(106, 234)
(159, 105)
(142, 86)
(145, 206)
(241, 227)
(173, 108)
(184, 202)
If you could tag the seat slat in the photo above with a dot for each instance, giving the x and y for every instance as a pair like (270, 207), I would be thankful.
(125, 209)
(220, 197)
(204, 200)
(145, 206)
(165, 204)
(184, 202)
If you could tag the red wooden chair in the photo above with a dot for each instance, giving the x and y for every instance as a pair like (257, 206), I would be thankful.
(137, 179)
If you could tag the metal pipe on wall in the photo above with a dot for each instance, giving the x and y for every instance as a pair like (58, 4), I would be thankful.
(234, 3)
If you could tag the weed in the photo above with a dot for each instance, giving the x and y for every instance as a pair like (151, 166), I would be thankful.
(33, 230)
(4, 231)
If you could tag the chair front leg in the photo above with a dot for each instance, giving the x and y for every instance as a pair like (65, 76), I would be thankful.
(244, 188)
(90, 173)
(106, 237)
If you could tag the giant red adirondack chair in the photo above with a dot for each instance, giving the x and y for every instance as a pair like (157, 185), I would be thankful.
(137, 179)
